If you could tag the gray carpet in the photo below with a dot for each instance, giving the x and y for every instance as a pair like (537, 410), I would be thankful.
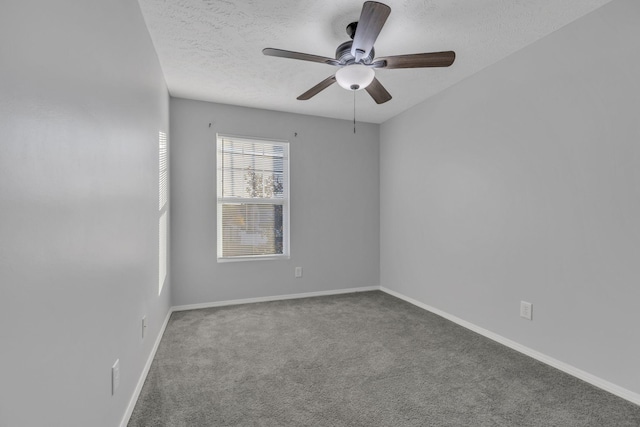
(365, 359)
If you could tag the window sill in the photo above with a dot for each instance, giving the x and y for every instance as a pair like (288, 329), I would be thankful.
(254, 258)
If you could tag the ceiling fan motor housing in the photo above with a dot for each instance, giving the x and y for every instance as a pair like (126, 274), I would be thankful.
(344, 56)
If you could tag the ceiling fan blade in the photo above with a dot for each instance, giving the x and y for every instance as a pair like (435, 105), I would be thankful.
(317, 88)
(372, 18)
(378, 92)
(297, 55)
(417, 60)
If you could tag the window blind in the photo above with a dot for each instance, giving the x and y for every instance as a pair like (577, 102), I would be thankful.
(163, 199)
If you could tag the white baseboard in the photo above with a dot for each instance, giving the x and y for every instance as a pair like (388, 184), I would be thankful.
(274, 298)
(571, 370)
(145, 371)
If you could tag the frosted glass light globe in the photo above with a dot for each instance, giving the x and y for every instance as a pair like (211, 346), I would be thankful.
(355, 77)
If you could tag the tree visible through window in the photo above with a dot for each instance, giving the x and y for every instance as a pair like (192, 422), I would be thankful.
(253, 198)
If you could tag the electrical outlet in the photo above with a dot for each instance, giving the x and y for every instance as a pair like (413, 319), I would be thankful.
(298, 271)
(115, 377)
(144, 325)
(526, 310)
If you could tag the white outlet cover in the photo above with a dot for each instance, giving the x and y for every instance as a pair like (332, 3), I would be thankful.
(526, 310)
(298, 271)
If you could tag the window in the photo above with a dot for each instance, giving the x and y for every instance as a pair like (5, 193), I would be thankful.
(163, 208)
(253, 198)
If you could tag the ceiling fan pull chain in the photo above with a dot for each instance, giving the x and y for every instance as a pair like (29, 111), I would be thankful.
(354, 111)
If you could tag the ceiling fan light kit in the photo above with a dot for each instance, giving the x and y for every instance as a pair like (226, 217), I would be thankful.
(356, 57)
(355, 76)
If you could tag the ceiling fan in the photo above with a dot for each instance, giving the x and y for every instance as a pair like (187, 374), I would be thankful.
(356, 57)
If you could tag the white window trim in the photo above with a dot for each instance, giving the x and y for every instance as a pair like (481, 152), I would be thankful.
(286, 224)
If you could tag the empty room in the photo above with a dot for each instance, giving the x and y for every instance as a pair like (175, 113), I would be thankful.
(305, 213)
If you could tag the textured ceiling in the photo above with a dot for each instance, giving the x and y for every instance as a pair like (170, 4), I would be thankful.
(211, 50)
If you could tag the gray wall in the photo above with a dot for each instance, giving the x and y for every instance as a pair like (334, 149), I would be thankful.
(82, 99)
(522, 183)
(334, 204)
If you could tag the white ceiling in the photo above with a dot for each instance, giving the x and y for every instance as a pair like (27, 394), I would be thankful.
(211, 50)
